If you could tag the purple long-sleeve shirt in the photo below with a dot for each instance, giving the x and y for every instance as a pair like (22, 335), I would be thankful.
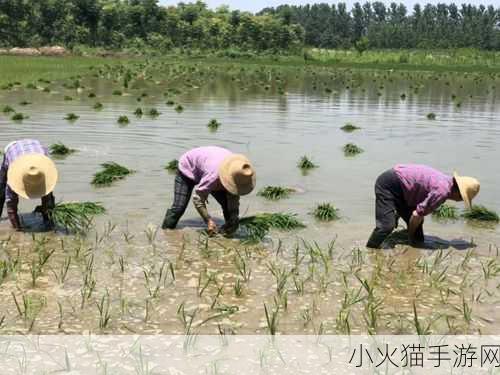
(202, 166)
(424, 188)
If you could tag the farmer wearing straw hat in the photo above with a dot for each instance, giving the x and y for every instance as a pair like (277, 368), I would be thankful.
(411, 192)
(27, 172)
(211, 171)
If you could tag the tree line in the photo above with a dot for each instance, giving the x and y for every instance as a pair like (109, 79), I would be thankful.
(144, 23)
(393, 26)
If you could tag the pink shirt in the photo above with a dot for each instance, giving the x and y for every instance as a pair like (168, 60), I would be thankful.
(202, 166)
(424, 187)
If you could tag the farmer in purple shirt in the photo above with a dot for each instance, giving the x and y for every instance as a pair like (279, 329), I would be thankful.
(27, 172)
(412, 192)
(211, 171)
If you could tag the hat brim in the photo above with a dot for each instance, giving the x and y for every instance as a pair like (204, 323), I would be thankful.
(227, 180)
(462, 190)
(18, 169)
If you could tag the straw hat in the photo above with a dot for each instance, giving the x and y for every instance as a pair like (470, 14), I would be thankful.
(469, 188)
(32, 176)
(237, 175)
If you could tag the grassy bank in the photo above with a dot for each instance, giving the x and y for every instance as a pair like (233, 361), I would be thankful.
(30, 69)
(26, 69)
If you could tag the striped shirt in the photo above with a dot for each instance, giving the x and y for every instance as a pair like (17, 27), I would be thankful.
(13, 151)
(424, 188)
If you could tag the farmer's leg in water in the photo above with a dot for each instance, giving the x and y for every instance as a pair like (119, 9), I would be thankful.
(389, 196)
(183, 189)
(230, 207)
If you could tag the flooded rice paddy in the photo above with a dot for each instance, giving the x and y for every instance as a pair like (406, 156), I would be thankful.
(127, 276)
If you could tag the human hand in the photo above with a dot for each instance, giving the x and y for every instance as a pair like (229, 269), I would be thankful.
(211, 227)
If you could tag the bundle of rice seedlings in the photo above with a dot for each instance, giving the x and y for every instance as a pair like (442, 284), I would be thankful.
(7, 109)
(306, 164)
(481, 213)
(349, 128)
(60, 149)
(172, 165)
(98, 105)
(112, 172)
(275, 192)
(431, 116)
(18, 117)
(71, 117)
(123, 120)
(256, 227)
(351, 149)
(213, 124)
(138, 112)
(326, 212)
(75, 217)
(446, 212)
(179, 108)
(153, 112)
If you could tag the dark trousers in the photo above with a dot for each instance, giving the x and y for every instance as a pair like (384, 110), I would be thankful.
(390, 205)
(183, 189)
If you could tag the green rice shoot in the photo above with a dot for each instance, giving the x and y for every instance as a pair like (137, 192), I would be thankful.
(351, 149)
(481, 213)
(71, 117)
(446, 212)
(111, 172)
(326, 212)
(213, 124)
(258, 226)
(349, 128)
(59, 149)
(305, 164)
(172, 165)
(75, 217)
(275, 193)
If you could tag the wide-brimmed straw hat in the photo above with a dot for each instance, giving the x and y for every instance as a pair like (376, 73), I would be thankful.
(237, 175)
(32, 176)
(469, 187)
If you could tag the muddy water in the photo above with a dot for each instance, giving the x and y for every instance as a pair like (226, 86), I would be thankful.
(298, 113)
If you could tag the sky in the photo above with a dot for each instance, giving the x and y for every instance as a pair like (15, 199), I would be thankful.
(256, 5)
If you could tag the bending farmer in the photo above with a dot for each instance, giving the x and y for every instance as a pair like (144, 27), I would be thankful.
(412, 192)
(27, 171)
(211, 171)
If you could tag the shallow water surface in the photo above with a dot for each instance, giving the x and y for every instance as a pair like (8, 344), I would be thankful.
(274, 116)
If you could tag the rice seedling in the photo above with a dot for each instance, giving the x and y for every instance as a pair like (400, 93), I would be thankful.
(306, 164)
(62, 273)
(326, 212)
(153, 112)
(117, 93)
(446, 212)
(112, 172)
(75, 217)
(123, 120)
(242, 266)
(257, 226)
(421, 330)
(18, 117)
(342, 322)
(31, 86)
(67, 98)
(238, 288)
(431, 116)
(281, 274)
(179, 108)
(103, 308)
(71, 117)
(98, 105)
(275, 193)
(24, 103)
(59, 149)
(351, 149)
(91, 95)
(170, 103)
(349, 128)
(213, 124)
(7, 109)
(481, 213)
(46, 89)
(138, 112)
(172, 165)
(272, 317)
